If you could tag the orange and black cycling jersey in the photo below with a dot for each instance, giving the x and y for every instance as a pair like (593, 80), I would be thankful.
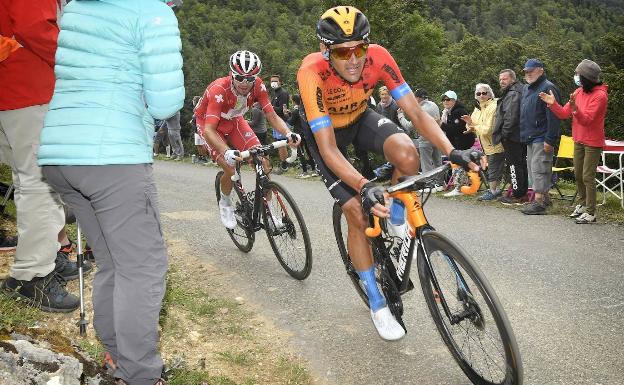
(331, 101)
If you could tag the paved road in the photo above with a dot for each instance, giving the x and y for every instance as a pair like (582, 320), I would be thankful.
(561, 284)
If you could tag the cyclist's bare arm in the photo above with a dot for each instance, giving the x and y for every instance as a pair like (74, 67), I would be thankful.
(213, 139)
(424, 123)
(277, 123)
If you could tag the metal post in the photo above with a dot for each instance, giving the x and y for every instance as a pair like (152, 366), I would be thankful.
(80, 260)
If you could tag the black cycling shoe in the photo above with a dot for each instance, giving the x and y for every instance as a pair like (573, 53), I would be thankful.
(46, 293)
(69, 269)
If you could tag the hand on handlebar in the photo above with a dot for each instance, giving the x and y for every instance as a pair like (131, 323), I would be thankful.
(231, 157)
(294, 139)
(373, 200)
(468, 159)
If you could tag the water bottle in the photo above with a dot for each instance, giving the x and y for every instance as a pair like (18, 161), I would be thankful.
(397, 212)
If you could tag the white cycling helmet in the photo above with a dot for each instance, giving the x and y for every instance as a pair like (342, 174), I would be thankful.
(245, 63)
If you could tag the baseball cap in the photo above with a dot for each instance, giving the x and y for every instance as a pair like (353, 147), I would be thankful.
(450, 94)
(532, 64)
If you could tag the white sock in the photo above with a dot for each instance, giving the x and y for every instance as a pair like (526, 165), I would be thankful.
(226, 199)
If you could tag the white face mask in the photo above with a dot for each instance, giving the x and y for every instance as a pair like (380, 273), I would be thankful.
(577, 79)
(274, 85)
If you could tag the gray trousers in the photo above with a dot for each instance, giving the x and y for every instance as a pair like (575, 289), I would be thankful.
(539, 166)
(430, 156)
(40, 214)
(117, 208)
(175, 139)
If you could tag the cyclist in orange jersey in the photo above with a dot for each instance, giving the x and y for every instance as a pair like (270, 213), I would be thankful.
(335, 85)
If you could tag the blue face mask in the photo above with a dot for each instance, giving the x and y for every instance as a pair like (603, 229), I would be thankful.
(577, 80)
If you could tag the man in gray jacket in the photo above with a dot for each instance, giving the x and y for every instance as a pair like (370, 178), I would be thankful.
(507, 132)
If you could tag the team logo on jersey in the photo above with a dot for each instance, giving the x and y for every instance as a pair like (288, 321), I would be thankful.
(383, 121)
(392, 73)
(319, 99)
(262, 87)
(219, 98)
(248, 134)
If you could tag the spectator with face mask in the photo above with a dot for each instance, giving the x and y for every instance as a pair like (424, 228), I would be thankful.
(587, 108)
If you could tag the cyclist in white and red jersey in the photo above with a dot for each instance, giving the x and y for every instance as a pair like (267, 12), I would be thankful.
(220, 120)
(335, 85)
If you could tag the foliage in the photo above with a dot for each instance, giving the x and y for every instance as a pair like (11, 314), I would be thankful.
(438, 44)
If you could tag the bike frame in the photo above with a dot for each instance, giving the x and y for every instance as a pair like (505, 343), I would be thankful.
(417, 220)
(261, 180)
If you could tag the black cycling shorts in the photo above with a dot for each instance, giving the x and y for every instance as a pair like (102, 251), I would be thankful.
(368, 133)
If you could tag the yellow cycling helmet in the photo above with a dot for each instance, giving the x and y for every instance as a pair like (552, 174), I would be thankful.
(341, 24)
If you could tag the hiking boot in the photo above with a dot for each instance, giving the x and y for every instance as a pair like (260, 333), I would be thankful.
(387, 326)
(226, 212)
(534, 208)
(488, 196)
(578, 211)
(586, 218)
(514, 201)
(7, 243)
(46, 293)
(67, 269)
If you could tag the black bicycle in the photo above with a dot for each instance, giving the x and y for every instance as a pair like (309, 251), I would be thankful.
(272, 208)
(464, 307)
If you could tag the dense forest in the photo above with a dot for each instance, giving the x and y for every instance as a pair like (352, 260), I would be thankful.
(438, 44)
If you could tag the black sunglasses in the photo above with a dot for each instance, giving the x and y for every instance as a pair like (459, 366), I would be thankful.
(241, 78)
(481, 93)
(445, 99)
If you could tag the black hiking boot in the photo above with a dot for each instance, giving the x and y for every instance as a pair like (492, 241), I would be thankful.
(46, 293)
(69, 269)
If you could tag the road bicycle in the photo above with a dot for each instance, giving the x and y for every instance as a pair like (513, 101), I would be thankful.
(270, 207)
(463, 305)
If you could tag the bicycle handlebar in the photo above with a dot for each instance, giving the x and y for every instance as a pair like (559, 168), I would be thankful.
(269, 147)
(419, 182)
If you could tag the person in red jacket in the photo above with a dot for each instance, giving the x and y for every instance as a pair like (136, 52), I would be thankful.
(28, 35)
(588, 108)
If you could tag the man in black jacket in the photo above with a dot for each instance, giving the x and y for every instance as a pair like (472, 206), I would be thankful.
(540, 130)
(507, 131)
(280, 104)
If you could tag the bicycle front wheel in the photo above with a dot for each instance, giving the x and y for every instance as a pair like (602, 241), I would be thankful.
(477, 331)
(242, 235)
(287, 231)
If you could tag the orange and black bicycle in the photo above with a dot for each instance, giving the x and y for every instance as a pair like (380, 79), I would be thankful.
(464, 307)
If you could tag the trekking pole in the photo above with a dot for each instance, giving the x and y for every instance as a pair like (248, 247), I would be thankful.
(80, 260)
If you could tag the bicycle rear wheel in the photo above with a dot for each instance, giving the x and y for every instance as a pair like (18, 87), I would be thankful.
(242, 235)
(290, 241)
(480, 337)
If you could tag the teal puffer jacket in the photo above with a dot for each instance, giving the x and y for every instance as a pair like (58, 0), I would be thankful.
(118, 66)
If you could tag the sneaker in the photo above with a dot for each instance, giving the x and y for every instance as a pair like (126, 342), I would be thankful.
(387, 326)
(314, 173)
(514, 201)
(69, 269)
(578, 211)
(586, 218)
(534, 208)
(276, 220)
(7, 243)
(488, 196)
(304, 175)
(46, 293)
(279, 170)
(177, 158)
(453, 193)
(227, 215)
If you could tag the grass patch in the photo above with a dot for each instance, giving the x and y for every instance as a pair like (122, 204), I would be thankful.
(193, 377)
(293, 373)
(17, 313)
(238, 358)
(95, 350)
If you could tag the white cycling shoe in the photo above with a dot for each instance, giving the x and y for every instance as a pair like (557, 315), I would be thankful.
(227, 215)
(387, 326)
